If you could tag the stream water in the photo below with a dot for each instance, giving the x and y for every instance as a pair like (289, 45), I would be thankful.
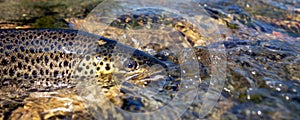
(245, 62)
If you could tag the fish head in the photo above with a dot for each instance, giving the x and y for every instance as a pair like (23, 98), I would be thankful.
(113, 63)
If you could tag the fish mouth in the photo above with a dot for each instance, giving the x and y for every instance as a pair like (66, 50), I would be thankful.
(144, 76)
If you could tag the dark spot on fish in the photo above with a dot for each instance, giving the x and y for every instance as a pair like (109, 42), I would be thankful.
(54, 37)
(31, 50)
(41, 72)
(51, 55)
(46, 49)
(29, 67)
(4, 71)
(56, 58)
(38, 60)
(47, 72)
(63, 74)
(36, 42)
(66, 63)
(16, 50)
(21, 56)
(22, 48)
(23, 38)
(51, 65)
(11, 72)
(4, 62)
(26, 76)
(26, 59)
(33, 62)
(55, 73)
(52, 47)
(60, 64)
(18, 74)
(34, 74)
(87, 58)
(13, 59)
(40, 50)
(79, 69)
(19, 65)
(9, 47)
(107, 67)
(59, 47)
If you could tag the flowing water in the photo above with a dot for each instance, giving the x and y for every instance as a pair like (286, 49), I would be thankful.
(246, 53)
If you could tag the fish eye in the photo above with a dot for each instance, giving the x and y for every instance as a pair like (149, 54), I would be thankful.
(130, 65)
(98, 57)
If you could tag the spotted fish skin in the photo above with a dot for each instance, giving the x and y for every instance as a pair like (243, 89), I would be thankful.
(45, 59)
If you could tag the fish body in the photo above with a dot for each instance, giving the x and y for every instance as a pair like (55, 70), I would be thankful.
(45, 59)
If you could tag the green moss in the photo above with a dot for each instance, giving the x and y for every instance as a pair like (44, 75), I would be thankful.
(242, 97)
(232, 25)
(255, 98)
(50, 22)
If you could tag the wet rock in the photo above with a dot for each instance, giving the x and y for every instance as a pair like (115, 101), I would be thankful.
(38, 11)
